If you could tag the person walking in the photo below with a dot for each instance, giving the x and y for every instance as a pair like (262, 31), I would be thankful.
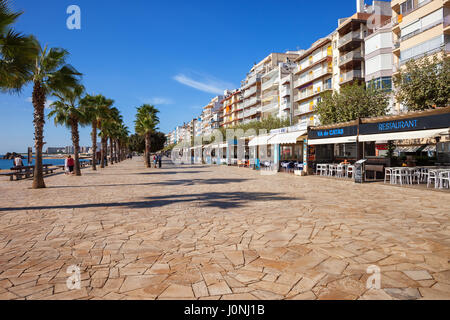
(159, 160)
(154, 161)
(70, 163)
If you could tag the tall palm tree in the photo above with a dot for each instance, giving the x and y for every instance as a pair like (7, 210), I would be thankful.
(17, 52)
(50, 74)
(66, 111)
(96, 108)
(145, 124)
(24, 61)
(108, 131)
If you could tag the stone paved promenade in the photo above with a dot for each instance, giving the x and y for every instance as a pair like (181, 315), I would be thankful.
(199, 232)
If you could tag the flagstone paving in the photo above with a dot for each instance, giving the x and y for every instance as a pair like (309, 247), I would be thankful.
(200, 232)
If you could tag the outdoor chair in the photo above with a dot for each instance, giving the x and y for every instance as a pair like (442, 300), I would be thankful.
(388, 173)
(444, 179)
(340, 171)
(350, 171)
(331, 170)
(432, 178)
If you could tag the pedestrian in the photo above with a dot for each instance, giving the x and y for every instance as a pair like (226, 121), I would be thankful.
(159, 160)
(69, 164)
(154, 160)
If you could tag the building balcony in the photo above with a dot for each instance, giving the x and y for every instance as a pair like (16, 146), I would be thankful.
(351, 39)
(285, 105)
(250, 92)
(351, 76)
(350, 57)
(270, 107)
(251, 102)
(251, 112)
(284, 92)
(311, 77)
(311, 63)
(269, 84)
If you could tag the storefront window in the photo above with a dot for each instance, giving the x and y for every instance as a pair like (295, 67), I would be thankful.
(345, 150)
(291, 152)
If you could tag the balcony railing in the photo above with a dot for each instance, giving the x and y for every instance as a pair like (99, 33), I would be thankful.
(251, 102)
(351, 75)
(270, 107)
(251, 112)
(285, 91)
(349, 37)
(249, 92)
(270, 83)
(352, 55)
(299, 82)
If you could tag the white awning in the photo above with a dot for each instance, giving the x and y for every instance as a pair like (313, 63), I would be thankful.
(430, 148)
(287, 138)
(350, 139)
(218, 145)
(260, 140)
(419, 134)
(407, 148)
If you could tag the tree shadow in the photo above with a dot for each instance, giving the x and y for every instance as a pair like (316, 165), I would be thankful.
(221, 200)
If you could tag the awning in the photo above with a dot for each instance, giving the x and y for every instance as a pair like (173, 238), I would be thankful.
(429, 149)
(218, 145)
(260, 140)
(287, 138)
(419, 134)
(349, 139)
(407, 148)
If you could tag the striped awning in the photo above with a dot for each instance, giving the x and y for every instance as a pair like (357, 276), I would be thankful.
(418, 134)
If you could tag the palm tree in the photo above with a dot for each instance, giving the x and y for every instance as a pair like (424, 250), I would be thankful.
(145, 124)
(17, 52)
(95, 108)
(66, 111)
(108, 131)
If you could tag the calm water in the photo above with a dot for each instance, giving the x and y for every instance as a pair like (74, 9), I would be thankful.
(7, 164)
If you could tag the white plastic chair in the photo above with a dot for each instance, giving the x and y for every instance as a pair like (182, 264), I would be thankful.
(350, 170)
(388, 173)
(444, 179)
(432, 177)
(340, 171)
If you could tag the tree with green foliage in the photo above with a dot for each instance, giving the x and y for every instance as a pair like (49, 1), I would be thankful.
(145, 124)
(424, 83)
(352, 102)
(67, 112)
(96, 109)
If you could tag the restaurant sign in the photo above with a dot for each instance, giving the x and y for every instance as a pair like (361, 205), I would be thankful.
(333, 133)
(419, 123)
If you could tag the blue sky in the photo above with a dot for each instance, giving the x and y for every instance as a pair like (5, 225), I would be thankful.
(174, 54)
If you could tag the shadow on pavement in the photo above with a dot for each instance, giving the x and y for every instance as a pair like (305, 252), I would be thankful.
(214, 199)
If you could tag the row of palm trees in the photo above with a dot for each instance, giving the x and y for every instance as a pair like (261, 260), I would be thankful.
(24, 61)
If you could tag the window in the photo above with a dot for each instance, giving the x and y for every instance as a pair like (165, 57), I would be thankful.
(406, 7)
(383, 83)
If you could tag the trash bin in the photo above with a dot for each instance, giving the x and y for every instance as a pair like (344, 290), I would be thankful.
(359, 171)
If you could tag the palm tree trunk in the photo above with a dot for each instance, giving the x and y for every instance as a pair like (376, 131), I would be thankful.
(39, 121)
(111, 150)
(94, 145)
(104, 160)
(76, 146)
(147, 150)
(119, 159)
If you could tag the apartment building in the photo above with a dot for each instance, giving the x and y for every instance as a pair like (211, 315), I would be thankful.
(352, 31)
(379, 62)
(210, 116)
(420, 28)
(232, 108)
(275, 93)
(252, 85)
(312, 76)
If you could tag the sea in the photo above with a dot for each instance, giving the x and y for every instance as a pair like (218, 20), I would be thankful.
(8, 164)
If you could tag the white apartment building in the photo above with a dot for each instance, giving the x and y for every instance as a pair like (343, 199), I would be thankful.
(275, 90)
(210, 116)
(312, 76)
